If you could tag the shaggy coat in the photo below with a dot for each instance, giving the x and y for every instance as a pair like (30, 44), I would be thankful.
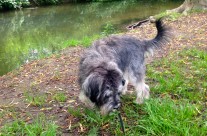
(111, 63)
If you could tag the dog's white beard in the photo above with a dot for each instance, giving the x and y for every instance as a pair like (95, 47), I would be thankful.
(86, 100)
(106, 108)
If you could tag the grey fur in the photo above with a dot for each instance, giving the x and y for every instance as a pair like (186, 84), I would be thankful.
(110, 61)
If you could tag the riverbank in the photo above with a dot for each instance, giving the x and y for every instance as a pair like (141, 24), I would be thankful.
(48, 87)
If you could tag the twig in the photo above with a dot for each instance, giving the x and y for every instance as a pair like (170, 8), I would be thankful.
(137, 24)
(150, 19)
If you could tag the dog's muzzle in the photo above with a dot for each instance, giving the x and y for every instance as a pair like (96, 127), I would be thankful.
(117, 106)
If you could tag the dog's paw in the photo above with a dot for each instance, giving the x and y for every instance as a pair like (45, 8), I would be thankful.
(146, 92)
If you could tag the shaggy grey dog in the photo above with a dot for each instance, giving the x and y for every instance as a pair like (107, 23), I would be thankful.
(111, 63)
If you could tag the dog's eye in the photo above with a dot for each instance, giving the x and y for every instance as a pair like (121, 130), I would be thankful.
(123, 82)
(119, 93)
(107, 87)
(111, 80)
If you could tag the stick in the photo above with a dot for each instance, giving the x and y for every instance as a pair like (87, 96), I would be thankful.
(137, 24)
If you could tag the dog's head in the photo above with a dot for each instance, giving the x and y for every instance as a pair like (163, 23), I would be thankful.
(103, 87)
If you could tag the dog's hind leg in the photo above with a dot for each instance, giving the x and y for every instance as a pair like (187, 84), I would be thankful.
(142, 89)
(143, 92)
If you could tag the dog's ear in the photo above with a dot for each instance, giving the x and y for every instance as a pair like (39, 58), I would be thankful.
(92, 86)
(113, 74)
(113, 70)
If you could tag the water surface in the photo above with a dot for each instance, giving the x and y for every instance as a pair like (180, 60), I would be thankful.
(31, 33)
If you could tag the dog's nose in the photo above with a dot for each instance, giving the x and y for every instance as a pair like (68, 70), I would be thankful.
(117, 106)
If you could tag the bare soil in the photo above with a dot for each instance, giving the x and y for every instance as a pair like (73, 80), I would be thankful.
(58, 73)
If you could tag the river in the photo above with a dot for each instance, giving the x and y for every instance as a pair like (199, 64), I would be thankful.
(33, 33)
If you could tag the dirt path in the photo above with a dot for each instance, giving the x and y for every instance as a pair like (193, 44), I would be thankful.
(59, 73)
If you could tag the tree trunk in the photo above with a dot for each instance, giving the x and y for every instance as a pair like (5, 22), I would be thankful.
(189, 5)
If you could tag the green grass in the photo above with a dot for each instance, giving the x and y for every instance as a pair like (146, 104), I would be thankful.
(182, 74)
(171, 16)
(177, 105)
(60, 97)
(8, 110)
(198, 10)
(39, 127)
(92, 122)
(86, 41)
(163, 116)
(35, 98)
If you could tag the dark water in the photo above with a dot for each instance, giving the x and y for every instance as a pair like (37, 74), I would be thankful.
(32, 33)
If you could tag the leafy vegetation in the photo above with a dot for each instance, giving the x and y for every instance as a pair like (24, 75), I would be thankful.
(108, 29)
(13, 4)
(176, 107)
(48, 2)
(18, 4)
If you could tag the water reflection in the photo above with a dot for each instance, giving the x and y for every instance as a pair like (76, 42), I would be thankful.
(32, 33)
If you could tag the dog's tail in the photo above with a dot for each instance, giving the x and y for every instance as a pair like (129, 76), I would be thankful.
(163, 37)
